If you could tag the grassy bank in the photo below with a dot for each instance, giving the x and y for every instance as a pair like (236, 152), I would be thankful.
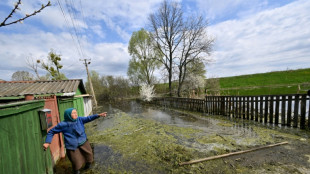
(272, 83)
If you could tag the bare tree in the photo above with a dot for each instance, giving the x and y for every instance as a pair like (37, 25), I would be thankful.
(3, 23)
(166, 27)
(195, 46)
(33, 65)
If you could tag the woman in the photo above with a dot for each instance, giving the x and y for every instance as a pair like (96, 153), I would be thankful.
(77, 147)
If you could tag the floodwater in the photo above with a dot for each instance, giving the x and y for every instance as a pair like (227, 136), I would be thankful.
(135, 138)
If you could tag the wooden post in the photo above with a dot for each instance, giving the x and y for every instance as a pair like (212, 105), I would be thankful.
(261, 109)
(243, 107)
(303, 111)
(240, 107)
(266, 109)
(271, 110)
(233, 106)
(283, 110)
(252, 108)
(256, 108)
(296, 108)
(248, 108)
(309, 111)
(289, 111)
(277, 110)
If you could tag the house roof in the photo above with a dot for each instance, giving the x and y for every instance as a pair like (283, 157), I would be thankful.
(59, 87)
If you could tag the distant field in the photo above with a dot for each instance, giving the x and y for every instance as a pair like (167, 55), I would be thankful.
(272, 83)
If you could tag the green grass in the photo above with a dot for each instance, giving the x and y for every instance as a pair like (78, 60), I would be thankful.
(272, 83)
(271, 78)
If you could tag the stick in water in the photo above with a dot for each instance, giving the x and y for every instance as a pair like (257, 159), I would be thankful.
(231, 154)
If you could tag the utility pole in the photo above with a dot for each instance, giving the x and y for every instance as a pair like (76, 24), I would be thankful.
(86, 62)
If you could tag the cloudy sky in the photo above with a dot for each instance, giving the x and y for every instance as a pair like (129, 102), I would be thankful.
(251, 36)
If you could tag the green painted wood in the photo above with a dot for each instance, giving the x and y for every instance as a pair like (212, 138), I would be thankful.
(21, 139)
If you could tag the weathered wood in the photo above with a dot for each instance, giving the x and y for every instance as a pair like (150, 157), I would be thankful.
(243, 107)
(289, 111)
(277, 110)
(266, 109)
(283, 110)
(296, 111)
(231, 154)
(261, 109)
(303, 112)
(248, 108)
(252, 108)
(271, 110)
(256, 108)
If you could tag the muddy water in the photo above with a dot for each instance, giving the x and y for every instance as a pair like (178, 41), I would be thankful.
(146, 139)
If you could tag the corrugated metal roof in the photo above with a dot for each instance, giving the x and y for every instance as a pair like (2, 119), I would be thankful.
(20, 88)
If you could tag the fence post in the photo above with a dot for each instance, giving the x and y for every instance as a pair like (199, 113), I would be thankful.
(261, 108)
(266, 109)
(277, 110)
(283, 109)
(303, 111)
(296, 108)
(271, 110)
(256, 108)
(248, 108)
(252, 107)
(289, 111)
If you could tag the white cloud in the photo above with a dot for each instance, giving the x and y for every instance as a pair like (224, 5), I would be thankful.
(270, 40)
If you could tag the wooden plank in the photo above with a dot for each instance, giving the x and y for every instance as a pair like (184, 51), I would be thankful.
(303, 111)
(271, 110)
(252, 108)
(248, 108)
(283, 109)
(233, 107)
(296, 111)
(309, 113)
(256, 108)
(277, 110)
(240, 107)
(231, 154)
(289, 111)
(243, 107)
(266, 109)
(261, 109)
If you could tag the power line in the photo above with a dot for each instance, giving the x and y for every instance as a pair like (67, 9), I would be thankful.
(67, 25)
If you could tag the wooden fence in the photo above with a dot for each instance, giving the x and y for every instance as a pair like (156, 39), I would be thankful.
(285, 110)
(181, 103)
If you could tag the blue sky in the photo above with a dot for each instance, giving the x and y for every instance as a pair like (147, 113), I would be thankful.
(251, 36)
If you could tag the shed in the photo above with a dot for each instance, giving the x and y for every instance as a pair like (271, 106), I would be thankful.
(22, 138)
(58, 96)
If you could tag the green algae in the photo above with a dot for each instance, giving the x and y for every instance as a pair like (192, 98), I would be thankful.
(144, 145)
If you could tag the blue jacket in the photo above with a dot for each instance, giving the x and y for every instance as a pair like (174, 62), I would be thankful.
(74, 132)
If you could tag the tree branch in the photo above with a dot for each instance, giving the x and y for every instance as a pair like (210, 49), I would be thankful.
(27, 15)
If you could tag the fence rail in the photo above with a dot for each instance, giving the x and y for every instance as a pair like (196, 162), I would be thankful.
(285, 110)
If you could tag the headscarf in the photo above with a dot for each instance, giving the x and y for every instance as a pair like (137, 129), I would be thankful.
(67, 115)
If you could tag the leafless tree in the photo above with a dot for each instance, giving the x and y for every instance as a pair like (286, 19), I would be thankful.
(166, 27)
(33, 65)
(3, 23)
(195, 46)
(181, 40)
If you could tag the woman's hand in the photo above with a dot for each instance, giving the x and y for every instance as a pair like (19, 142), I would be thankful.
(45, 145)
(104, 114)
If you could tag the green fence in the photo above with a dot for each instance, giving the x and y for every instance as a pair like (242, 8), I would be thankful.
(76, 102)
(21, 150)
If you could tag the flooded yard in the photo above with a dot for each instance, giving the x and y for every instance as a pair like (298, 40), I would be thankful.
(147, 139)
